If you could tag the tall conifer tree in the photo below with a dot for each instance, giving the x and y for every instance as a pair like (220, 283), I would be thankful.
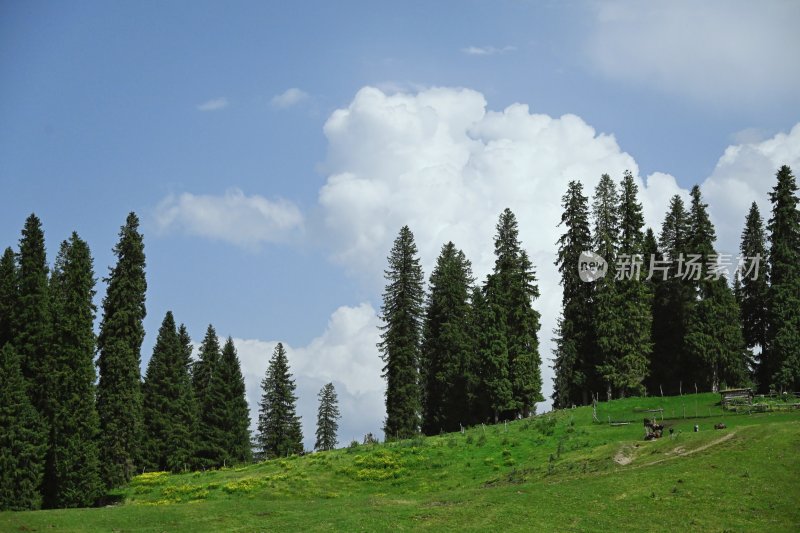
(32, 322)
(607, 324)
(72, 477)
(575, 341)
(23, 441)
(493, 395)
(672, 298)
(8, 296)
(625, 336)
(446, 346)
(753, 290)
(327, 419)
(783, 331)
(510, 291)
(236, 414)
(401, 337)
(279, 431)
(713, 346)
(119, 399)
(168, 406)
(207, 386)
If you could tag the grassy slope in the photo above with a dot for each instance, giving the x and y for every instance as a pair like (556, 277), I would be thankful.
(503, 481)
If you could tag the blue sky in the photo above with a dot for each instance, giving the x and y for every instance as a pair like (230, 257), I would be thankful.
(180, 111)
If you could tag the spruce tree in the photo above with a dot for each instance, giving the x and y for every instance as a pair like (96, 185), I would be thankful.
(23, 441)
(279, 432)
(119, 399)
(752, 292)
(187, 348)
(401, 337)
(672, 298)
(607, 324)
(714, 339)
(327, 419)
(446, 346)
(701, 239)
(494, 394)
(168, 403)
(713, 346)
(236, 414)
(207, 386)
(32, 322)
(186, 351)
(574, 351)
(510, 291)
(8, 295)
(783, 330)
(624, 335)
(72, 477)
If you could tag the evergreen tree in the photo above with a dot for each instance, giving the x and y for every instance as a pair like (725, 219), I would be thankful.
(72, 476)
(236, 414)
(494, 394)
(208, 391)
(624, 335)
(714, 338)
(701, 241)
(607, 325)
(606, 219)
(446, 345)
(714, 346)
(327, 419)
(401, 337)
(574, 352)
(23, 441)
(168, 406)
(32, 322)
(279, 432)
(8, 296)
(510, 290)
(752, 292)
(783, 330)
(186, 352)
(119, 400)
(672, 298)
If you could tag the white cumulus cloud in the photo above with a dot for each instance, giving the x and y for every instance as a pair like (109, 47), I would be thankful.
(245, 221)
(288, 98)
(746, 173)
(719, 51)
(214, 105)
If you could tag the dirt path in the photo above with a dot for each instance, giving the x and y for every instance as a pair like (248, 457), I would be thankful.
(622, 459)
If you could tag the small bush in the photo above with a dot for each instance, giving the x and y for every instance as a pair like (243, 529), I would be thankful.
(482, 439)
(546, 425)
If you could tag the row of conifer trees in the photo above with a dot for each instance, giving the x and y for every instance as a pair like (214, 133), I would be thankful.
(66, 437)
(461, 353)
(682, 330)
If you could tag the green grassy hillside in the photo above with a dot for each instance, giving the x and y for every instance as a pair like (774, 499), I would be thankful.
(555, 472)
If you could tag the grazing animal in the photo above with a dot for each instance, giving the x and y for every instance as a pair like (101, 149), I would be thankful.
(720, 426)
